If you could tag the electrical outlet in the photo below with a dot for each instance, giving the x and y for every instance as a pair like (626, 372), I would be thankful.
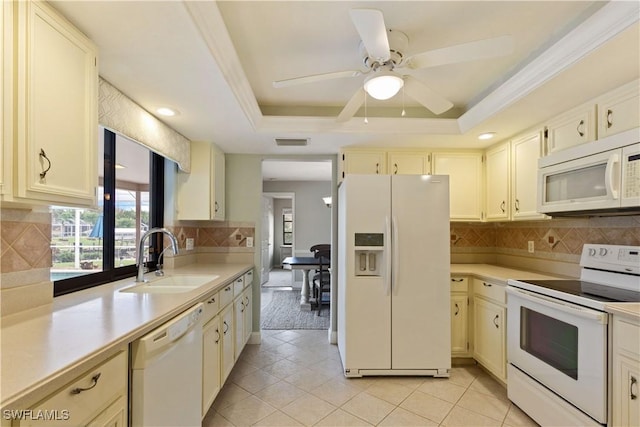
(530, 247)
(249, 242)
(189, 243)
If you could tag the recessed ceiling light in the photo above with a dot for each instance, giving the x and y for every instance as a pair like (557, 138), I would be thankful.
(486, 135)
(167, 112)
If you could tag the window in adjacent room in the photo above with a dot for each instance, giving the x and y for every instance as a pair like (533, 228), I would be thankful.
(287, 227)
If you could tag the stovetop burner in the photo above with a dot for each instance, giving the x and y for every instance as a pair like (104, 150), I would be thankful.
(588, 290)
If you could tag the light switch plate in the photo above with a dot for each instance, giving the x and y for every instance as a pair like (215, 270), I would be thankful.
(189, 243)
(249, 242)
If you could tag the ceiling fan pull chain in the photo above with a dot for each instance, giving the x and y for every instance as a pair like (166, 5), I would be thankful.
(403, 112)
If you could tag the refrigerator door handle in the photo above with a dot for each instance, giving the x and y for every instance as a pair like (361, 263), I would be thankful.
(387, 263)
(395, 253)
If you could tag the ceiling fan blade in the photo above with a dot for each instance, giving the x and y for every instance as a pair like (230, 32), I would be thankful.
(316, 78)
(425, 96)
(472, 51)
(352, 106)
(370, 26)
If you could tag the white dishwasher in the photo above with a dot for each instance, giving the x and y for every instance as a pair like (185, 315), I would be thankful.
(166, 380)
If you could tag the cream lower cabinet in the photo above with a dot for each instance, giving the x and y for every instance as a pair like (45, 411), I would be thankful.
(52, 144)
(465, 183)
(227, 353)
(247, 296)
(238, 316)
(211, 351)
(459, 317)
(96, 398)
(489, 338)
(626, 372)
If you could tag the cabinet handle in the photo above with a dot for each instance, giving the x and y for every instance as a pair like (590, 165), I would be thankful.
(43, 155)
(395, 169)
(227, 289)
(247, 298)
(226, 327)
(581, 133)
(216, 206)
(609, 118)
(218, 333)
(502, 206)
(494, 321)
(212, 301)
(377, 168)
(457, 310)
(94, 380)
(242, 305)
(456, 280)
(517, 205)
(488, 285)
(634, 381)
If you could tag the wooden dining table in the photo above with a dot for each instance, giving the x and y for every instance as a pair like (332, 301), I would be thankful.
(305, 264)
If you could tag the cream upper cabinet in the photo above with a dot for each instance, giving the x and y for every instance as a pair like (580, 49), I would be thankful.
(56, 122)
(200, 193)
(364, 162)
(619, 110)
(626, 371)
(409, 163)
(574, 127)
(498, 183)
(525, 152)
(465, 183)
(6, 98)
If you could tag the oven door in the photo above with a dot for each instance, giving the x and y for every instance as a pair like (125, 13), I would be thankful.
(561, 345)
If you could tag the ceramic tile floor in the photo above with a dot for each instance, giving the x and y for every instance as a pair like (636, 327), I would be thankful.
(295, 378)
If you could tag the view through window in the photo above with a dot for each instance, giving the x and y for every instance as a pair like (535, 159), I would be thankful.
(78, 235)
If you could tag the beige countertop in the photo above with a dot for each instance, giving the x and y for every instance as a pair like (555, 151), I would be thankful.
(43, 348)
(626, 309)
(497, 273)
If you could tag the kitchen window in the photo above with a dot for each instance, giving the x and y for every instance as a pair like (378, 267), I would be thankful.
(92, 247)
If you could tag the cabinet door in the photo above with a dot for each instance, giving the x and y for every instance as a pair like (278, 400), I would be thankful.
(459, 321)
(364, 163)
(248, 313)
(465, 183)
(497, 183)
(114, 416)
(56, 114)
(409, 163)
(6, 98)
(489, 336)
(218, 196)
(227, 352)
(525, 153)
(619, 110)
(626, 399)
(211, 345)
(238, 316)
(572, 128)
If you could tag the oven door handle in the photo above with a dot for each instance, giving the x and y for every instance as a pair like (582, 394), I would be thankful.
(572, 309)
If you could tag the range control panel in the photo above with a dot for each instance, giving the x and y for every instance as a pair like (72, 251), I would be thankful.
(624, 259)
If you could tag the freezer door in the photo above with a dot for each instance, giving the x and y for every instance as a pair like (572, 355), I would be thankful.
(364, 303)
(421, 330)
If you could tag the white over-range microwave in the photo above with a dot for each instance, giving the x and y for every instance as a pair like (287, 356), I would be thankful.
(600, 177)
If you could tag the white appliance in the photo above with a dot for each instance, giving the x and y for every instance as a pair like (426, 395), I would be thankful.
(558, 338)
(166, 380)
(393, 275)
(596, 177)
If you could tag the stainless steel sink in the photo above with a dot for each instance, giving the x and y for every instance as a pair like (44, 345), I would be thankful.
(174, 284)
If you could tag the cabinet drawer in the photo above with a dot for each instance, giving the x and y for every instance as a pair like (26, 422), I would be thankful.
(248, 278)
(490, 290)
(238, 286)
(627, 336)
(211, 307)
(80, 401)
(459, 284)
(226, 295)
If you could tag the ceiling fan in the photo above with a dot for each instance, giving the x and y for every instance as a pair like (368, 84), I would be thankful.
(388, 69)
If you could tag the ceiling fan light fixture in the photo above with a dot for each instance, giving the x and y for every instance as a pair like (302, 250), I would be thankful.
(383, 84)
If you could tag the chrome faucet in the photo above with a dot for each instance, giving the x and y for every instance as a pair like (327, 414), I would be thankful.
(140, 262)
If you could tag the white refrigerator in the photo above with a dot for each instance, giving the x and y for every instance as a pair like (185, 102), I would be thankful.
(394, 275)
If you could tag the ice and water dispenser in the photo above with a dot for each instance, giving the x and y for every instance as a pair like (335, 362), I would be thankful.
(369, 248)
